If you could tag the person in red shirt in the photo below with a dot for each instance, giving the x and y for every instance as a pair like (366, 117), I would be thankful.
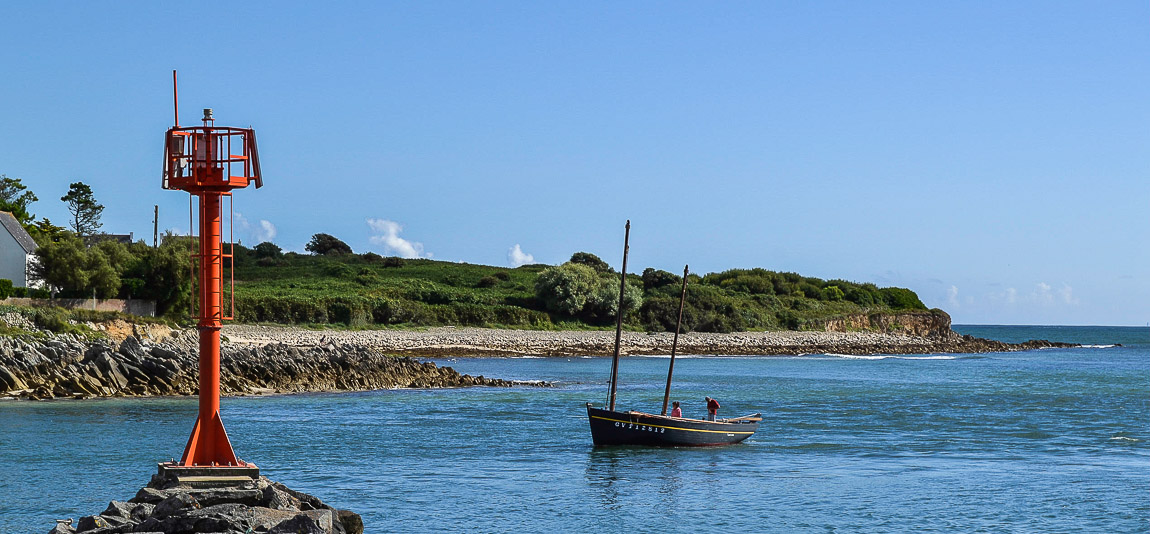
(712, 408)
(675, 410)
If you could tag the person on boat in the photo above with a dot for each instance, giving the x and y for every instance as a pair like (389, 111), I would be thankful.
(675, 410)
(712, 408)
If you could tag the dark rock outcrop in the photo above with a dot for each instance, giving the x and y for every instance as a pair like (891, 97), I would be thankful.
(70, 367)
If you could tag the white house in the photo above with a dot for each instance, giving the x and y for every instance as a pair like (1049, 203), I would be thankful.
(16, 248)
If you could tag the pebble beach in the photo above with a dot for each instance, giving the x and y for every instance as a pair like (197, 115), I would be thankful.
(449, 341)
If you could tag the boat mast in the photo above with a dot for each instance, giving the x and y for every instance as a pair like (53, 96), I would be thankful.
(675, 343)
(619, 321)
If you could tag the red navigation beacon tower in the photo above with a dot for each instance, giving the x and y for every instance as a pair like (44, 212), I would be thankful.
(208, 162)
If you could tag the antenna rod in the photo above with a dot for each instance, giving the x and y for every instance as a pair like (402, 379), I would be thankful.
(175, 99)
(619, 320)
(675, 343)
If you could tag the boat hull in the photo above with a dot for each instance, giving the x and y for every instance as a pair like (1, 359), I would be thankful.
(637, 428)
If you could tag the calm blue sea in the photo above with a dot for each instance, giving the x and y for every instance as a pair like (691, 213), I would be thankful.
(1045, 441)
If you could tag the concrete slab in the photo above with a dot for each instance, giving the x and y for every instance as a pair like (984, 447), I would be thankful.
(210, 477)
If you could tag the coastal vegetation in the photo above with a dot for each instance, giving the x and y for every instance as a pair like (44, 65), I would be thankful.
(331, 284)
(365, 290)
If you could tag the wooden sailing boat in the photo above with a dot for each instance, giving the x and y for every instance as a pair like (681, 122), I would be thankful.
(611, 427)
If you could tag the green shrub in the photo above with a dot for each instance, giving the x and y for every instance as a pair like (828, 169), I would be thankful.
(566, 288)
(473, 315)
(6, 289)
(337, 270)
(654, 279)
(590, 260)
(859, 296)
(788, 319)
(660, 314)
(387, 311)
(515, 316)
(832, 293)
(603, 304)
(55, 320)
(487, 281)
(267, 249)
(327, 245)
(901, 299)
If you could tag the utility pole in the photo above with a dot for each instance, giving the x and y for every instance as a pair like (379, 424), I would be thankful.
(156, 227)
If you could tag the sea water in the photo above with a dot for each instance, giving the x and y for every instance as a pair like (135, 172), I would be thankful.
(1053, 440)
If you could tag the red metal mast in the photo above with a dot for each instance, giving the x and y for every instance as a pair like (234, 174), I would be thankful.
(200, 160)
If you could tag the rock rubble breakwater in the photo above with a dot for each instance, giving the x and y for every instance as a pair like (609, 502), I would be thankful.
(168, 505)
(68, 366)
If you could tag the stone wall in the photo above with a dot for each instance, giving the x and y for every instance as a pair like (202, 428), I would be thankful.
(143, 308)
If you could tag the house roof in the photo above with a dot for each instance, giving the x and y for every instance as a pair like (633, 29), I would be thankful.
(9, 222)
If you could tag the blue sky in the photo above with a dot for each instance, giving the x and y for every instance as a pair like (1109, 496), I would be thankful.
(991, 156)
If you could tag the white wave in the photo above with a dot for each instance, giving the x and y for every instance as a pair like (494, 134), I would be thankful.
(1097, 346)
(858, 356)
(890, 357)
(690, 356)
(1124, 438)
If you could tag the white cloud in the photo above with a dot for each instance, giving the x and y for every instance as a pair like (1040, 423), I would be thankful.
(952, 296)
(267, 231)
(1042, 293)
(1067, 294)
(388, 236)
(517, 257)
(264, 230)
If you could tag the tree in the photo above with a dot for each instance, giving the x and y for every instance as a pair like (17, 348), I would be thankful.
(166, 277)
(43, 231)
(84, 209)
(590, 260)
(566, 288)
(655, 278)
(15, 198)
(603, 304)
(267, 249)
(326, 245)
(575, 289)
(901, 298)
(61, 264)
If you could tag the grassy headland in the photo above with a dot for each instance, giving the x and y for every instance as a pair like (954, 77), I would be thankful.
(364, 290)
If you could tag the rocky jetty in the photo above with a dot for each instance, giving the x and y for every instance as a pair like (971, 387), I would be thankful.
(169, 506)
(72, 367)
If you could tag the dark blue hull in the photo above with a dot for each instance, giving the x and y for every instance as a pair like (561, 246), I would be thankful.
(637, 428)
